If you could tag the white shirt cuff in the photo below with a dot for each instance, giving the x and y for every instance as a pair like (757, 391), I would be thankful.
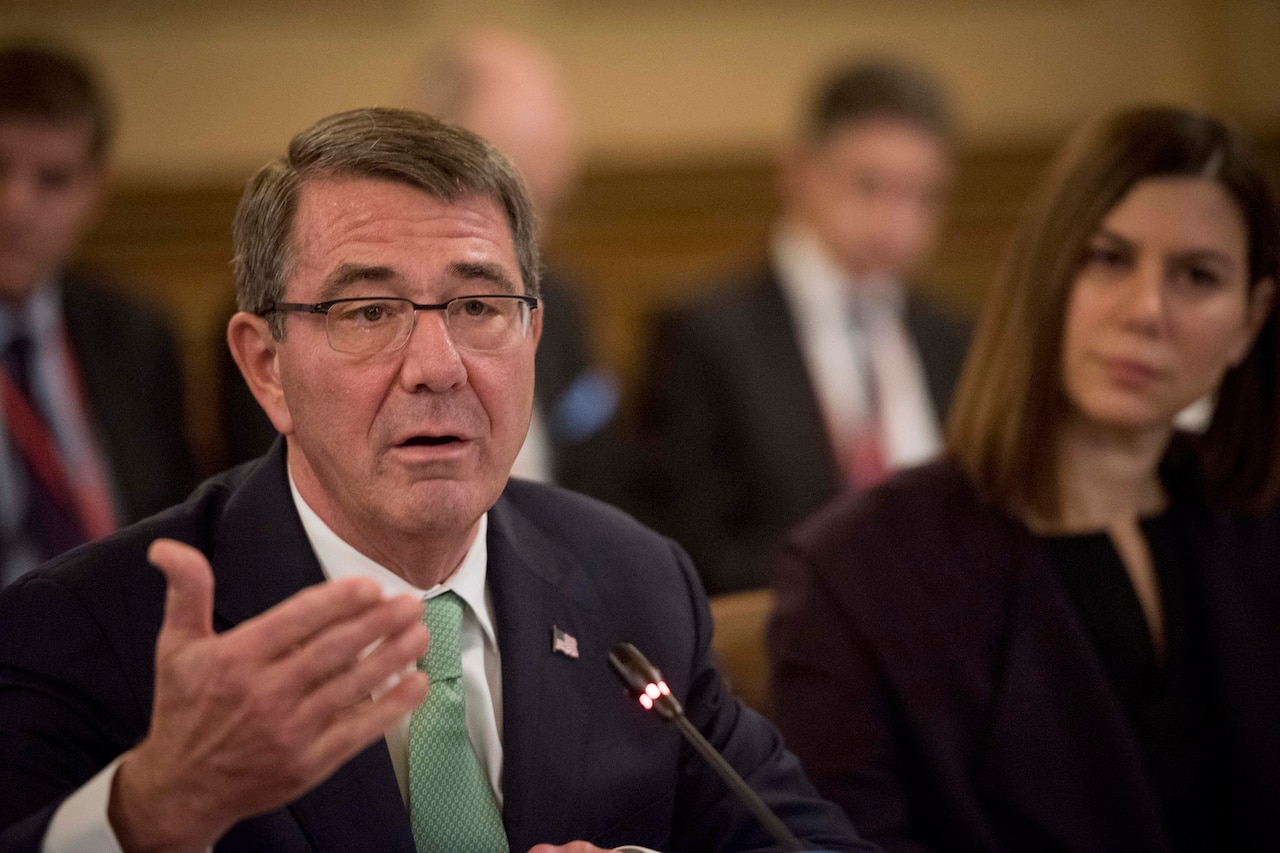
(80, 824)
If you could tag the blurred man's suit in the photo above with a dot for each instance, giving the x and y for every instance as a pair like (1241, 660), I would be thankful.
(130, 387)
(133, 380)
(739, 448)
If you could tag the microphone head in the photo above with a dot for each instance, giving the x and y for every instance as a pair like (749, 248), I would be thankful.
(643, 681)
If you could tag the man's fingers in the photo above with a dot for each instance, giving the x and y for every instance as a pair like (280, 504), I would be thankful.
(368, 721)
(335, 651)
(298, 618)
(393, 658)
(188, 603)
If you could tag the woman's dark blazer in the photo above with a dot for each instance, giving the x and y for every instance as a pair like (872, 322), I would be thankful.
(934, 678)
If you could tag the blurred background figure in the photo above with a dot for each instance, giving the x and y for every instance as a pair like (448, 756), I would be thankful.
(1064, 635)
(509, 90)
(826, 369)
(91, 388)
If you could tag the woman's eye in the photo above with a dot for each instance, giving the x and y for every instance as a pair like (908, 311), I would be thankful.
(1204, 278)
(1104, 256)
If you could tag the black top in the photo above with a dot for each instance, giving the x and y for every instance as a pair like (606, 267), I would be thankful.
(1165, 701)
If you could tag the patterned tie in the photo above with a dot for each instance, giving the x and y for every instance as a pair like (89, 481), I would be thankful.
(450, 802)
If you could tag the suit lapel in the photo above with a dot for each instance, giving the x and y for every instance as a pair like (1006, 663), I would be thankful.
(547, 708)
(788, 407)
(261, 557)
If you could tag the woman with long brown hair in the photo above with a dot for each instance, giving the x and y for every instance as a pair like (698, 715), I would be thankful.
(1066, 633)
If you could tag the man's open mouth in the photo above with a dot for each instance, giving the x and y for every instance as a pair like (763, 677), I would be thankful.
(429, 440)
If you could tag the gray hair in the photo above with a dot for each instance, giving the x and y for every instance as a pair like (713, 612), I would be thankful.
(445, 161)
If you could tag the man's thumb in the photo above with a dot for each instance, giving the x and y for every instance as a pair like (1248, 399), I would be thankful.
(188, 605)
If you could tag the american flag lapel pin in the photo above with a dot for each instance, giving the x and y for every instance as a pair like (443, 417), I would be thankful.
(564, 643)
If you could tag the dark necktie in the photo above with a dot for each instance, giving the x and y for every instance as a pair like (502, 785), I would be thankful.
(50, 521)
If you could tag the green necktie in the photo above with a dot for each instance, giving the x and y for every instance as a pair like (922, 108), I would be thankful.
(450, 802)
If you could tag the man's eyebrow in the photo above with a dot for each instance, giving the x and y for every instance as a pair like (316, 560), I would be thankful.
(492, 273)
(338, 281)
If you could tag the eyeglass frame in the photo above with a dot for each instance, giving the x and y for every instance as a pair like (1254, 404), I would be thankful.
(322, 308)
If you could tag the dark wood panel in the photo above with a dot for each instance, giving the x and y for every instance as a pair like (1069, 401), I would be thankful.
(637, 237)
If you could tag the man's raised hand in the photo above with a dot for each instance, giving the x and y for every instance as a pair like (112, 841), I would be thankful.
(246, 721)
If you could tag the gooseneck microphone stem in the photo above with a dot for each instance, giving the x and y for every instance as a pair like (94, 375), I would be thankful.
(644, 682)
(750, 798)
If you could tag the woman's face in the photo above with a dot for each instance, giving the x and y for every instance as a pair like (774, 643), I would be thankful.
(1161, 306)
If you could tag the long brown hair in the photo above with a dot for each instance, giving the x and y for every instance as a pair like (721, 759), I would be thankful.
(1010, 401)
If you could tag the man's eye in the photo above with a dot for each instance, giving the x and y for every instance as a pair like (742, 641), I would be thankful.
(365, 313)
(476, 308)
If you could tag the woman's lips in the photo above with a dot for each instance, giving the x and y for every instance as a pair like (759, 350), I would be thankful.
(1130, 373)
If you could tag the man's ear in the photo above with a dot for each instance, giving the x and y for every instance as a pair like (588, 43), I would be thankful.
(256, 354)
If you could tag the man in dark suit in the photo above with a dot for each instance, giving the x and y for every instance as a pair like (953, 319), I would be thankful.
(826, 369)
(259, 691)
(91, 390)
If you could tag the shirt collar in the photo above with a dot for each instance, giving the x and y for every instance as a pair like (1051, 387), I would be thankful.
(814, 281)
(40, 314)
(338, 559)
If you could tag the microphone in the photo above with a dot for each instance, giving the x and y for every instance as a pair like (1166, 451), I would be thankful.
(644, 682)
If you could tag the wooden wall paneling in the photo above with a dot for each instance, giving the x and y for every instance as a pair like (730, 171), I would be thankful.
(638, 237)
(172, 245)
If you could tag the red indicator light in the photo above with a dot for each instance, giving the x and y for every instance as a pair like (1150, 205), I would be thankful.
(666, 691)
(653, 691)
(646, 701)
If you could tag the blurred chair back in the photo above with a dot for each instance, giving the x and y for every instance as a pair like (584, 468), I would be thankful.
(740, 619)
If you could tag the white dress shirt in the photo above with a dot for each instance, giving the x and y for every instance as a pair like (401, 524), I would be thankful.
(481, 667)
(845, 360)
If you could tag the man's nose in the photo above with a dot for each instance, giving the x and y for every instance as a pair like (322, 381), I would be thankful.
(431, 359)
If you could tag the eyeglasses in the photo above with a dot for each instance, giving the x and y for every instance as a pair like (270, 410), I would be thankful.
(368, 325)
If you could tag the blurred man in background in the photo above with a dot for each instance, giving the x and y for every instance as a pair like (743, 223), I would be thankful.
(91, 389)
(827, 368)
(511, 91)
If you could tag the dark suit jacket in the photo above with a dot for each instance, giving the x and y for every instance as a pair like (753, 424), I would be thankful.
(581, 759)
(935, 678)
(738, 450)
(133, 378)
(577, 399)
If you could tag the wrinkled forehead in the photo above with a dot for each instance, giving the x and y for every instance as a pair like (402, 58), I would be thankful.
(407, 233)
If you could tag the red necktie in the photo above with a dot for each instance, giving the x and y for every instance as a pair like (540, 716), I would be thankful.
(51, 519)
(863, 458)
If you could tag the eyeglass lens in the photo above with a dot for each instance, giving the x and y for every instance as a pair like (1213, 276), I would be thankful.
(367, 326)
